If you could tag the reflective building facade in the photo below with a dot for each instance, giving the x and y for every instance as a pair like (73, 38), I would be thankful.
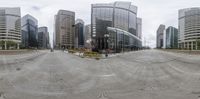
(87, 36)
(65, 29)
(139, 28)
(79, 33)
(171, 37)
(43, 38)
(160, 36)
(119, 15)
(189, 29)
(121, 40)
(10, 25)
(29, 28)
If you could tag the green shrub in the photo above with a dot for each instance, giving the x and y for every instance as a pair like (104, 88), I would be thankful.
(72, 51)
(97, 58)
(92, 54)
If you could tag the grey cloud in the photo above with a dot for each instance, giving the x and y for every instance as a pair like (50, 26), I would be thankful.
(36, 8)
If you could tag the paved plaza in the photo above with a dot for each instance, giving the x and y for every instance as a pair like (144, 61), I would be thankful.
(148, 74)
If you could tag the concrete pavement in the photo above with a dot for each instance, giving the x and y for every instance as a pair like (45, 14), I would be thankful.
(149, 74)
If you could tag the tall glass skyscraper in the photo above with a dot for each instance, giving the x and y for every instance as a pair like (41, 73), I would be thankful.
(139, 28)
(171, 37)
(189, 29)
(43, 38)
(79, 33)
(119, 15)
(29, 32)
(87, 36)
(160, 36)
(10, 26)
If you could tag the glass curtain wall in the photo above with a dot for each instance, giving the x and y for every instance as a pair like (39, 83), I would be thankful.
(121, 40)
(121, 15)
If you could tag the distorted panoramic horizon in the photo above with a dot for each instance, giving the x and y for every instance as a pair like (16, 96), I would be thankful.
(152, 12)
(99, 49)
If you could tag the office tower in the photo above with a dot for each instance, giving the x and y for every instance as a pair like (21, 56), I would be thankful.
(10, 28)
(121, 19)
(65, 29)
(139, 28)
(29, 27)
(160, 36)
(43, 38)
(79, 33)
(171, 37)
(88, 36)
(189, 29)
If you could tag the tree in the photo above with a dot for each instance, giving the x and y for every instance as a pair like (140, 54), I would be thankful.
(198, 44)
(2, 44)
(11, 44)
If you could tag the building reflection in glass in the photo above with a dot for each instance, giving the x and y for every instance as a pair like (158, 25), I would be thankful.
(120, 40)
(121, 15)
(29, 32)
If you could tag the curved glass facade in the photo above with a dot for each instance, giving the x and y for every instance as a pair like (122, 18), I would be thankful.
(10, 25)
(102, 18)
(189, 28)
(121, 40)
(121, 15)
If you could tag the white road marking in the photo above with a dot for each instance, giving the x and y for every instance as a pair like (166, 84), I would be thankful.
(107, 75)
(182, 71)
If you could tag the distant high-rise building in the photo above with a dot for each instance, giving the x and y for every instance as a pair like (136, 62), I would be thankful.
(65, 29)
(10, 27)
(160, 36)
(88, 36)
(43, 38)
(121, 19)
(29, 27)
(171, 37)
(139, 28)
(54, 33)
(189, 29)
(79, 33)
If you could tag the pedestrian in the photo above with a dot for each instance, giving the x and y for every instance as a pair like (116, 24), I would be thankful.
(106, 53)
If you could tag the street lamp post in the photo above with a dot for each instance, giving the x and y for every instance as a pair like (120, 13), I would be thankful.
(106, 37)
(6, 46)
(73, 45)
(106, 43)
(123, 43)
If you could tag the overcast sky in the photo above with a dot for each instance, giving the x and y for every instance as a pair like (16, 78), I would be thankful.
(152, 12)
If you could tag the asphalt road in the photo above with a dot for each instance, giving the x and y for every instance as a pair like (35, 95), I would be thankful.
(147, 74)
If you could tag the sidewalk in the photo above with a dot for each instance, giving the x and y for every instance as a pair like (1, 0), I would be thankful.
(117, 54)
(190, 52)
(16, 58)
(103, 56)
(15, 52)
